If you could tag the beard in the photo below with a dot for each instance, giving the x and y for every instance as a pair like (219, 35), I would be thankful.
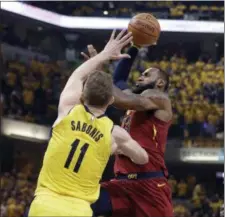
(140, 88)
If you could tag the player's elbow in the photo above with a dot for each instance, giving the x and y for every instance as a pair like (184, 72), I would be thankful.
(145, 158)
(142, 158)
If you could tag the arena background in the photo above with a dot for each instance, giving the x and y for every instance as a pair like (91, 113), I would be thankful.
(39, 54)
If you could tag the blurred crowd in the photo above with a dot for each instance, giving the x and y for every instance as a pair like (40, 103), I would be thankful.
(31, 90)
(163, 9)
(17, 191)
(190, 198)
(31, 85)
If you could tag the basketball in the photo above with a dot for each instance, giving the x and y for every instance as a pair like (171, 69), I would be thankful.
(145, 28)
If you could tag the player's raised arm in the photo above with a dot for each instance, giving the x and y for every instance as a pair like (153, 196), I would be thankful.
(72, 92)
(123, 68)
(123, 143)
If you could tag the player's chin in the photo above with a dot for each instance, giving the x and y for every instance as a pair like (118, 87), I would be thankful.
(137, 89)
(139, 85)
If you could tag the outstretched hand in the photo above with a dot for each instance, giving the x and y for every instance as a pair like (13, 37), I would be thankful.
(113, 48)
(116, 44)
(91, 52)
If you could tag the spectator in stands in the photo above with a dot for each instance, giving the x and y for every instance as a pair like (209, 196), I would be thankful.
(173, 184)
(40, 104)
(3, 209)
(28, 96)
(181, 211)
(210, 126)
(182, 189)
(191, 182)
(216, 204)
(222, 211)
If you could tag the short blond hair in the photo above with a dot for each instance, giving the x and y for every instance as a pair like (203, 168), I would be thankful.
(98, 89)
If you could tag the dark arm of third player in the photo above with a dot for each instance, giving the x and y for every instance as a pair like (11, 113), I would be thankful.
(122, 70)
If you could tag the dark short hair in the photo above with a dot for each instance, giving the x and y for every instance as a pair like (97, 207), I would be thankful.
(98, 89)
(165, 76)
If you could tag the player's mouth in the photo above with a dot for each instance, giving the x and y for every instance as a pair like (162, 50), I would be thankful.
(138, 83)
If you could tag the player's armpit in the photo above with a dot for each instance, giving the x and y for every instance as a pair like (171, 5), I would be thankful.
(129, 147)
(138, 102)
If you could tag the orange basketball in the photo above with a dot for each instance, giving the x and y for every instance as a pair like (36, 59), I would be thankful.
(145, 28)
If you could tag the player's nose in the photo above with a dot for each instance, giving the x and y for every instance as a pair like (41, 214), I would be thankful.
(141, 78)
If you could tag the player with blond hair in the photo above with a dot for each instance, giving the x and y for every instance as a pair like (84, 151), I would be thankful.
(83, 139)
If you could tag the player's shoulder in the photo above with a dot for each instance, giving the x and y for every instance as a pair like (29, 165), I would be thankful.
(165, 114)
(63, 115)
(109, 121)
(159, 96)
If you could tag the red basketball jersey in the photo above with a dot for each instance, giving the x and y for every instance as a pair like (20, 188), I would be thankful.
(151, 134)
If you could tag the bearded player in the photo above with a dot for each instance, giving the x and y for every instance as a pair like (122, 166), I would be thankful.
(82, 140)
(140, 190)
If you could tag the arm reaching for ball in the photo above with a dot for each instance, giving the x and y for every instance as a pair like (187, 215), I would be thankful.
(124, 144)
(72, 92)
(123, 68)
(150, 99)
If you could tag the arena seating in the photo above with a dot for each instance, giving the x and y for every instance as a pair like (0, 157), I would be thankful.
(197, 195)
(31, 92)
(166, 10)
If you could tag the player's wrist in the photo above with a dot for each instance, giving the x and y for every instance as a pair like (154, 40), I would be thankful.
(105, 56)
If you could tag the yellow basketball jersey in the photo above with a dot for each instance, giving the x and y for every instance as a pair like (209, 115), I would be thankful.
(77, 154)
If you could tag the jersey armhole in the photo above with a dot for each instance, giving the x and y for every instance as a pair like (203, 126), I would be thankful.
(111, 143)
(70, 110)
(112, 128)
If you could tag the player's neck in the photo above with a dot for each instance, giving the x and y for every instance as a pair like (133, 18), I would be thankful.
(159, 89)
(96, 111)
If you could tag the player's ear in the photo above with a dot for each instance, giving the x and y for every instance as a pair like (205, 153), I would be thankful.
(160, 83)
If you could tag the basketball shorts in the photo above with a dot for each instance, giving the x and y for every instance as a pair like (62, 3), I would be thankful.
(139, 198)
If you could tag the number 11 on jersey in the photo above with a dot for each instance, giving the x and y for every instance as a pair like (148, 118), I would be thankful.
(83, 150)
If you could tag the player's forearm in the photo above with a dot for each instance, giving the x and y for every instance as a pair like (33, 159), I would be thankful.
(82, 72)
(121, 73)
(68, 96)
(88, 67)
(134, 151)
(138, 102)
(127, 101)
